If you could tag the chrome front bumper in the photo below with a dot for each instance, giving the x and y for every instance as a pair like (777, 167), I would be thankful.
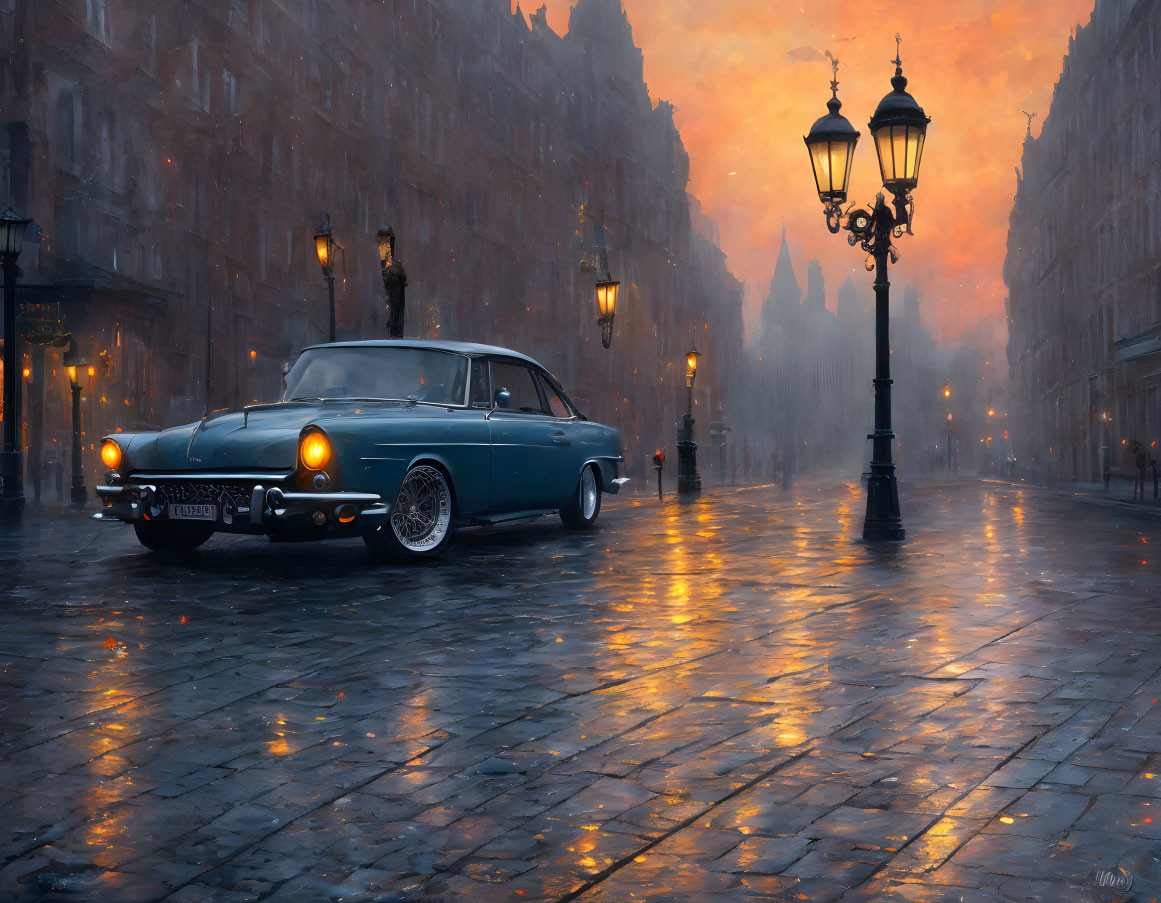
(272, 510)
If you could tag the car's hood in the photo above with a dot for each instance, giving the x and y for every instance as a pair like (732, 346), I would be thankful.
(265, 437)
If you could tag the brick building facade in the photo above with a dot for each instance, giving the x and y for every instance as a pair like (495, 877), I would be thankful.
(1084, 256)
(176, 160)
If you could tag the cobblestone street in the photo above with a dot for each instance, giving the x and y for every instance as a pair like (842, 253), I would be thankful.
(729, 699)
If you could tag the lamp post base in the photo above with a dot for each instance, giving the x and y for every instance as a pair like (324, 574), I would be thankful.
(11, 508)
(688, 479)
(12, 496)
(883, 522)
(79, 495)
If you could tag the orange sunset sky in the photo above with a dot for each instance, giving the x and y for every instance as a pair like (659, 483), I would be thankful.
(748, 77)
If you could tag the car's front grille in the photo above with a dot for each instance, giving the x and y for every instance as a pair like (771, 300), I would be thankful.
(197, 492)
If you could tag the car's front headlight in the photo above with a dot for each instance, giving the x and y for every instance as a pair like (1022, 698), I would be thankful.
(314, 450)
(111, 454)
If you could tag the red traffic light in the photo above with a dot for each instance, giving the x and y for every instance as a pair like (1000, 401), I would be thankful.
(658, 459)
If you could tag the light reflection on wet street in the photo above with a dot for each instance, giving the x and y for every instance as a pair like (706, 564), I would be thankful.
(729, 699)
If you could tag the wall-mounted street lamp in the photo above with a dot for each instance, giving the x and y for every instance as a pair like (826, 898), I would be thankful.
(12, 228)
(325, 246)
(607, 307)
(606, 292)
(899, 128)
(394, 282)
(688, 479)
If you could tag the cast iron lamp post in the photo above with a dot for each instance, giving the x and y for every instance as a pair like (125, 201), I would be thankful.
(78, 481)
(12, 228)
(947, 396)
(688, 479)
(324, 245)
(949, 441)
(1106, 458)
(394, 282)
(898, 127)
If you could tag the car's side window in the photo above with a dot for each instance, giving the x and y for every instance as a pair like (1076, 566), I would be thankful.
(480, 397)
(555, 402)
(514, 389)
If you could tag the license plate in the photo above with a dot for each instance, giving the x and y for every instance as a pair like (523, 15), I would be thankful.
(193, 512)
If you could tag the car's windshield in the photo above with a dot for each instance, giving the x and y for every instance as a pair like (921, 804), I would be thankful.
(418, 374)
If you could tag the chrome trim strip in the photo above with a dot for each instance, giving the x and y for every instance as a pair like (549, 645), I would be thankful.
(337, 497)
(212, 475)
(110, 490)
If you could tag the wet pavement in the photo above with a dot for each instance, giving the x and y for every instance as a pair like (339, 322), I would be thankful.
(731, 699)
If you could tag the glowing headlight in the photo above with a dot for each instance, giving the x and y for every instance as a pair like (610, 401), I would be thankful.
(111, 454)
(314, 451)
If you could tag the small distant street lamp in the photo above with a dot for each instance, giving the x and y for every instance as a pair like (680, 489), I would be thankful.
(78, 481)
(1106, 458)
(324, 245)
(394, 282)
(947, 395)
(899, 128)
(949, 441)
(688, 479)
(12, 227)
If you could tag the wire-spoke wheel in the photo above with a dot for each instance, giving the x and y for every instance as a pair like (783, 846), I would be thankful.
(420, 525)
(582, 510)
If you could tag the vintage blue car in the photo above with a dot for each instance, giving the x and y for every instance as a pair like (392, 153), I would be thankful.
(395, 441)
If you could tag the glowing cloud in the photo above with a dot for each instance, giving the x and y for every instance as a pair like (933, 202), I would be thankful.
(748, 78)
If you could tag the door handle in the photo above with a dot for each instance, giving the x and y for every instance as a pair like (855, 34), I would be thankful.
(556, 433)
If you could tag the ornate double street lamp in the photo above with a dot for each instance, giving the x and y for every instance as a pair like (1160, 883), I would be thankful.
(324, 244)
(12, 227)
(394, 282)
(898, 128)
(688, 479)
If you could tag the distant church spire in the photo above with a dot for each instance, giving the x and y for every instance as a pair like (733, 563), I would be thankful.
(783, 303)
(784, 287)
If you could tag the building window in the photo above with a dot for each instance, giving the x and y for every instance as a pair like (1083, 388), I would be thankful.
(97, 20)
(66, 126)
(106, 127)
(230, 92)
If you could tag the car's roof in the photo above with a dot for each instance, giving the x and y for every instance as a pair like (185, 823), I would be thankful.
(470, 348)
